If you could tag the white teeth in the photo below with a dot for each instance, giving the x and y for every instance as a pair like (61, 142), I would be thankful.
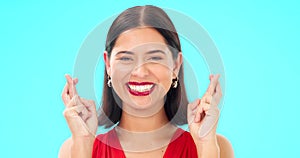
(140, 88)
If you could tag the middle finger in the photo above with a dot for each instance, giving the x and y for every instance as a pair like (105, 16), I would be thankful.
(213, 84)
(65, 96)
(72, 89)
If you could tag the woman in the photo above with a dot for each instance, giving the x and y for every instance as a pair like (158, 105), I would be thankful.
(144, 96)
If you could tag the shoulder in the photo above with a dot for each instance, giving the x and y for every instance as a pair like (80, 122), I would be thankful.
(65, 149)
(182, 135)
(181, 145)
(107, 145)
(108, 139)
(226, 150)
(106, 136)
(182, 139)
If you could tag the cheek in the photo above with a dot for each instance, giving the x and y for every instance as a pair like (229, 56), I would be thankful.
(119, 75)
(119, 70)
(164, 75)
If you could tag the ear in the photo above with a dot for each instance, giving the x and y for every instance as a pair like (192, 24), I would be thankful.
(177, 65)
(107, 63)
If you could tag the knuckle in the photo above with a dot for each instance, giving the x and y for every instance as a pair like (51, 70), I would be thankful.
(62, 95)
(65, 113)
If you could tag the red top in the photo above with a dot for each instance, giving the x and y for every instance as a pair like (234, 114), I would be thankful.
(108, 146)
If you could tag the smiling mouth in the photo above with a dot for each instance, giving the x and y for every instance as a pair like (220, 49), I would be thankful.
(140, 88)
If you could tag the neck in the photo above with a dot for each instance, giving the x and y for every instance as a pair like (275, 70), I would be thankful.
(143, 124)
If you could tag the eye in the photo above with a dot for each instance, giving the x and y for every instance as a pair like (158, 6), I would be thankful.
(155, 58)
(125, 59)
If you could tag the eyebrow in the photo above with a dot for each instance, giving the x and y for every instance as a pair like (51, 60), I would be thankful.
(156, 51)
(149, 52)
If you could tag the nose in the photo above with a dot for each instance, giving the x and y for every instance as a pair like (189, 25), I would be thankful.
(140, 71)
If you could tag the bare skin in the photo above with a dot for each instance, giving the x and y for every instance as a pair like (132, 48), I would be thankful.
(70, 146)
(202, 113)
(81, 117)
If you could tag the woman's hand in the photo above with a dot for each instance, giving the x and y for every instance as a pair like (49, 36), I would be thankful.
(80, 113)
(203, 115)
(81, 117)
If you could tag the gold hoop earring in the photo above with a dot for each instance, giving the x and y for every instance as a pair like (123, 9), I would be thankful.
(109, 81)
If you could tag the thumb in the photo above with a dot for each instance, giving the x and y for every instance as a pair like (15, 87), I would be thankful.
(194, 104)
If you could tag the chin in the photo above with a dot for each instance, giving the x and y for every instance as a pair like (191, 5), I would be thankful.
(142, 107)
(140, 103)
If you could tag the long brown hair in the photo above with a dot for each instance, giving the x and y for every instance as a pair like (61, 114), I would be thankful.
(144, 16)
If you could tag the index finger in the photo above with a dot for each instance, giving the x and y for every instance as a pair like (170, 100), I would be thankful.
(213, 84)
(64, 95)
(72, 89)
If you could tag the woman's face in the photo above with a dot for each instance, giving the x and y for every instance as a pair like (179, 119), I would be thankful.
(142, 68)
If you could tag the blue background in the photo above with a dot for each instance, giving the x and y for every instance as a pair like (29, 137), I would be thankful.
(258, 42)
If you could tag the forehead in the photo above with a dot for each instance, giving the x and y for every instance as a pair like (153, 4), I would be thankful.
(139, 38)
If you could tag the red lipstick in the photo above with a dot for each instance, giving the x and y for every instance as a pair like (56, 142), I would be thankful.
(140, 83)
(139, 93)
